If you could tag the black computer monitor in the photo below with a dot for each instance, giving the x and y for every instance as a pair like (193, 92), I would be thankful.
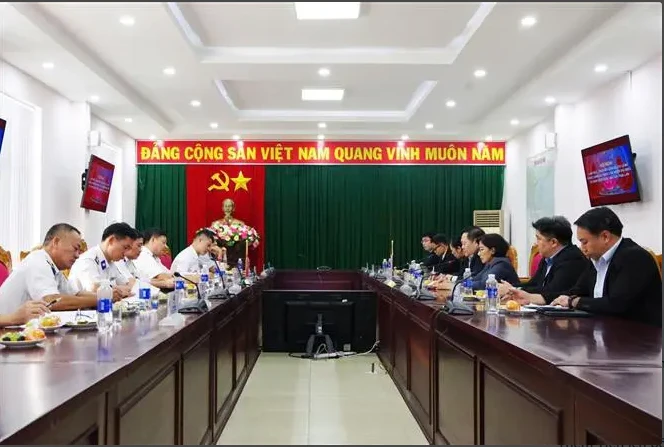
(290, 317)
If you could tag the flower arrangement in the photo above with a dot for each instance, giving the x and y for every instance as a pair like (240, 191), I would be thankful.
(230, 235)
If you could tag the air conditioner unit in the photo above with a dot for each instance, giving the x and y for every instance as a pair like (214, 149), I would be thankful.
(492, 221)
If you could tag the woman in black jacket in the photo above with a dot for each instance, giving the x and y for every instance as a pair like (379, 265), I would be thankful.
(493, 254)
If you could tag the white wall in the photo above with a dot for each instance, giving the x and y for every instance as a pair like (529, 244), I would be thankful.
(630, 105)
(62, 158)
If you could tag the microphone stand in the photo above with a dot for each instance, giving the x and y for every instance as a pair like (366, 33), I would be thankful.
(223, 295)
(200, 306)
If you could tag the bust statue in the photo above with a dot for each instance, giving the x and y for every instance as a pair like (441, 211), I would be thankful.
(229, 209)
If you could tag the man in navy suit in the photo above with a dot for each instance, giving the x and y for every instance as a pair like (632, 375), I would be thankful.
(560, 268)
(624, 280)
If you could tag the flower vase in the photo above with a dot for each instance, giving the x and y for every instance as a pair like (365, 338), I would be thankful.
(233, 253)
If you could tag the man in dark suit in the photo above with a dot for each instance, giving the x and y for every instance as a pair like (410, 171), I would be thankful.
(427, 244)
(624, 280)
(448, 263)
(560, 268)
(470, 244)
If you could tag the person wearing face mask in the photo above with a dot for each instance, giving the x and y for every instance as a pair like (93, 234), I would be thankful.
(39, 276)
(561, 266)
(149, 265)
(623, 280)
(98, 263)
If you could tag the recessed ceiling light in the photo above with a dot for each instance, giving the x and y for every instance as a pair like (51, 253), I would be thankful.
(195, 103)
(48, 65)
(214, 125)
(324, 72)
(489, 138)
(480, 73)
(94, 98)
(322, 94)
(428, 126)
(169, 71)
(127, 20)
(153, 137)
(550, 100)
(128, 120)
(404, 137)
(327, 10)
(528, 21)
(322, 125)
(236, 137)
(601, 68)
(514, 122)
(450, 103)
(321, 137)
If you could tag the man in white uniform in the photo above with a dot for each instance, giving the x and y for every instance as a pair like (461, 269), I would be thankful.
(98, 263)
(149, 265)
(197, 256)
(39, 276)
(126, 266)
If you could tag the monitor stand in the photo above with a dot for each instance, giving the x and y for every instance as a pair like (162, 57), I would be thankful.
(319, 335)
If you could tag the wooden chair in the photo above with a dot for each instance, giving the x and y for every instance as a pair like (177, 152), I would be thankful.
(26, 253)
(166, 257)
(513, 257)
(6, 258)
(657, 258)
(5, 264)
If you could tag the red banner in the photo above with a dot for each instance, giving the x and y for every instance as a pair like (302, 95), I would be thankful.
(213, 152)
(209, 186)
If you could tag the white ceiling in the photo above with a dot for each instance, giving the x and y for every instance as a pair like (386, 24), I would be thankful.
(399, 64)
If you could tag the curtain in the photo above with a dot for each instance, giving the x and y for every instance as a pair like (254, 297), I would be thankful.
(346, 216)
(161, 202)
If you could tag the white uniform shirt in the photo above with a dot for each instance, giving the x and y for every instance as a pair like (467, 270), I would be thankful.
(188, 261)
(127, 269)
(91, 268)
(33, 278)
(149, 265)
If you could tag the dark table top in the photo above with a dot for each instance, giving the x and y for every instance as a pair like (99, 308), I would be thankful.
(639, 387)
(574, 341)
(34, 382)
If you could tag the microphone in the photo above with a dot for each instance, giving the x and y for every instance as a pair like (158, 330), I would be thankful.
(223, 284)
(200, 306)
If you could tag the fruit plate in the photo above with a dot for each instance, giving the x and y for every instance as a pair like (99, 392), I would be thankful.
(87, 326)
(21, 344)
(51, 329)
(523, 312)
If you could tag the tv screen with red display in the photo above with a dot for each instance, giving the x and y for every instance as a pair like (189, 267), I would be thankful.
(610, 172)
(3, 124)
(97, 184)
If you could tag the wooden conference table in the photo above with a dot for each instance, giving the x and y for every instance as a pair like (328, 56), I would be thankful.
(468, 380)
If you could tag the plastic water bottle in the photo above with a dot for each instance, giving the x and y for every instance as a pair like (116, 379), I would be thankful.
(204, 285)
(144, 293)
(176, 297)
(467, 286)
(240, 267)
(104, 306)
(384, 267)
(492, 294)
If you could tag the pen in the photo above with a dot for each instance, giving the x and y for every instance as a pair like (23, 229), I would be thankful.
(52, 302)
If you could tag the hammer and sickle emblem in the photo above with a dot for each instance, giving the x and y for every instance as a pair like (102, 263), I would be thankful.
(221, 185)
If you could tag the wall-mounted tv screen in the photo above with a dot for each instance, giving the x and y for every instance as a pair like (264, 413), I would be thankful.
(3, 124)
(610, 172)
(97, 184)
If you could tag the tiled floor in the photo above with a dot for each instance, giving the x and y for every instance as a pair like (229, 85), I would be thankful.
(295, 401)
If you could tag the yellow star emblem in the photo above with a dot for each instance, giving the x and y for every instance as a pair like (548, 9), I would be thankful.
(241, 182)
